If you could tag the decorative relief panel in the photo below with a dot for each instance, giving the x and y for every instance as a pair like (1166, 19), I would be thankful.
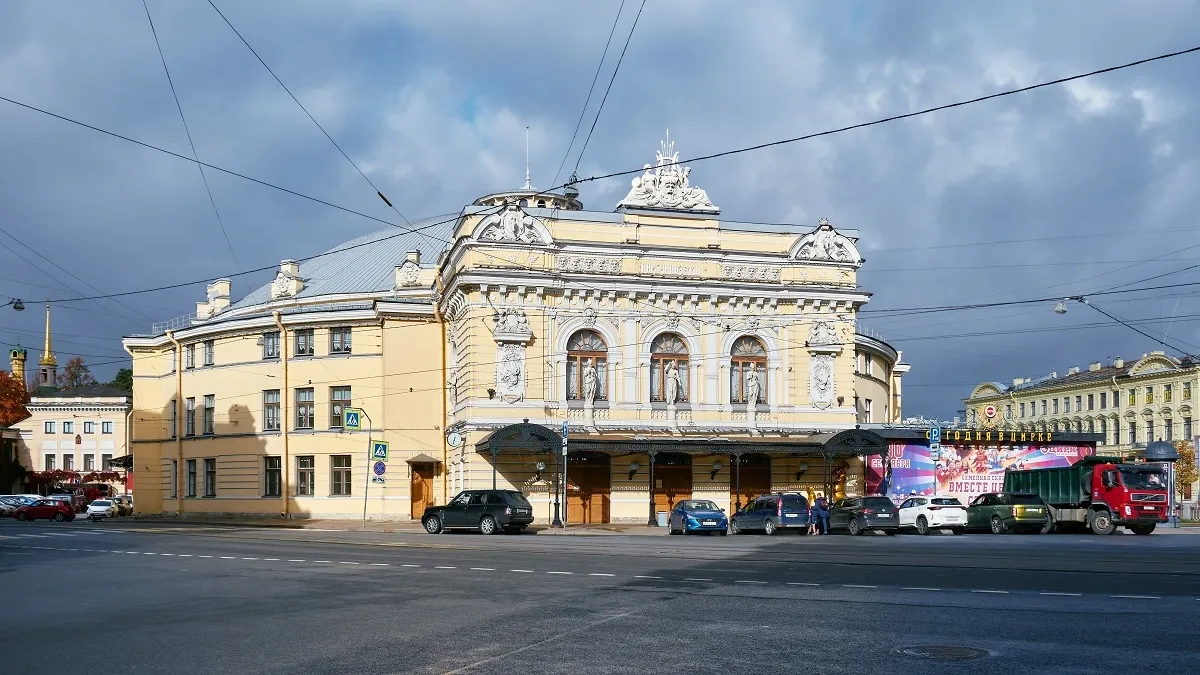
(674, 270)
(510, 371)
(578, 263)
(821, 381)
(750, 272)
(827, 245)
(514, 226)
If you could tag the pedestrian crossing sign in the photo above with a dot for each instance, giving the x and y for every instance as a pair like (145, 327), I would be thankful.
(379, 450)
(353, 418)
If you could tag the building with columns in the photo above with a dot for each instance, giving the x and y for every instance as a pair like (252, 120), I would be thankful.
(683, 356)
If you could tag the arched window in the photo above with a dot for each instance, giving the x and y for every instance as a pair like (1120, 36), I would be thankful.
(747, 356)
(586, 349)
(668, 360)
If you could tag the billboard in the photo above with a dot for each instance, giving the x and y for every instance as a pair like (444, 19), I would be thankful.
(962, 470)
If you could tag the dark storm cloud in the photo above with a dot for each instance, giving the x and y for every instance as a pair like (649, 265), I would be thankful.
(432, 99)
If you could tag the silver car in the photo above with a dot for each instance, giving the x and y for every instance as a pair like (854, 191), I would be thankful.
(101, 508)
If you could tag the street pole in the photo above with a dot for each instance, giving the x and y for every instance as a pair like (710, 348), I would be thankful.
(566, 494)
(366, 469)
(557, 521)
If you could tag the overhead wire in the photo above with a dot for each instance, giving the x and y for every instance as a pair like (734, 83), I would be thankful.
(609, 88)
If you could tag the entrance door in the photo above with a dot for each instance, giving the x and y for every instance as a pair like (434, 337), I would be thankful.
(421, 490)
(752, 479)
(672, 480)
(590, 480)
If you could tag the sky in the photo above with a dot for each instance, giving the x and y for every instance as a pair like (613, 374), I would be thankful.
(1057, 192)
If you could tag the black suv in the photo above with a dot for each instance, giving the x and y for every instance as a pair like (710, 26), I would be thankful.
(488, 511)
(859, 514)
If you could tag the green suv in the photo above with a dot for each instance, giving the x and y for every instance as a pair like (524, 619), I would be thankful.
(1002, 512)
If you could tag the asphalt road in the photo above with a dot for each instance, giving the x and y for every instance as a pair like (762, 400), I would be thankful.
(123, 596)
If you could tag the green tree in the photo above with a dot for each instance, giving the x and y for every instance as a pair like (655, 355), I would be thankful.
(1186, 473)
(76, 374)
(123, 379)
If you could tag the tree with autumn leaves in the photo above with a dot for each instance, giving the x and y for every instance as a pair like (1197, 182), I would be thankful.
(1186, 473)
(13, 397)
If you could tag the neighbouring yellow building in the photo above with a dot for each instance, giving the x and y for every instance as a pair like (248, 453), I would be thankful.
(683, 356)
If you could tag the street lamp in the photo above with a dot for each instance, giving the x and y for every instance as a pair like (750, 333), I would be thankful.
(16, 303)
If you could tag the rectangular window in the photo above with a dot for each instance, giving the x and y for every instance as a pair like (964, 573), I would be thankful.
(106, 462)
(1132, 398)
(339, 400)
(106, 427)
(89, 427)
(68, 427)
(68, 462)
(304, 342)
(1054, 403)
(1022, 410)
(1187, 428)
(174, 479)
(48, 427)
(1091, 401)
(1132, 433)
(1104, 431)
(189, 417)
(191, 479)
(1079, 404)
(210, 410)
(339, 340)
(341, 475)
(210, 478)
(1066, 404)
(1043, 406)
(1149, 431)
(48, 463)
(270, 345)
(306, 473)
(1117, 399)
(1187, 391)
(1116, 432)
(89, 462)
(189, 356)
(1008, 412)
(273, 486)
(867, 404)
(1167, 393)
(208, 352)
(1103, 400)
(271, 410)
(174, 359)
(867, 361)
(174, 417)
(1168, 429)
(304, 408)
(1149, 395)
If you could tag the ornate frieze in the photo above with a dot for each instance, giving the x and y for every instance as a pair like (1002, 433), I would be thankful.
(750, 272)
(579, 263)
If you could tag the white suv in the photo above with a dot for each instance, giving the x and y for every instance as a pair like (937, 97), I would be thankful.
(933, 512)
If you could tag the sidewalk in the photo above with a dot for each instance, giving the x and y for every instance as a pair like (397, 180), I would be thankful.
(396, 526)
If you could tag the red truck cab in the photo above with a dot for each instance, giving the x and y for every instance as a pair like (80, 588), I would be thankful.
(1135, 496)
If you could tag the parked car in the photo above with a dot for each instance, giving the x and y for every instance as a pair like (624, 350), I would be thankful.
(771, 513)
(697, 515)
(489, 511)
(927, 513)
(860, 514)
(48, 509)
(8, 505)
(76, 502)
(101, 508)
(1002, 512)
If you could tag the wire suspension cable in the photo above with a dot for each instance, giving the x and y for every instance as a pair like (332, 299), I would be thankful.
(610, 84)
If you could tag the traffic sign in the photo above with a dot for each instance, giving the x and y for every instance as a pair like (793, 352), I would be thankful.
(379, 450)
(935, 443)
(377, 480)
(565, 427)
(353, 418)
(989, 412)
(379, 468)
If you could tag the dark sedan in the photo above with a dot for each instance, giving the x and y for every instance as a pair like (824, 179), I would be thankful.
(697, 515)
(860, 514)
(48, 509)
(488, 511)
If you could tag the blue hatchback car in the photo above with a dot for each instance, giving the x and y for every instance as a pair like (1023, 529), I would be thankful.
(697, 515)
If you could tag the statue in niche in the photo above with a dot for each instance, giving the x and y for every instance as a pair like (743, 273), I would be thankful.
(752, 387)
(672, 383)
(589, 383)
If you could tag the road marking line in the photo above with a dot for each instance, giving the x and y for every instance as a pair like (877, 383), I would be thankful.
(857, 586)
(523, 571)
(204, 556)
(642, 576)
(1136, 597)
(323, 561)
(918, 588)
(601, 574)
(1069, 595)
(697, 579)
(444, 567)
(560, 573)
(38, 536)
(185, 555)
(271, 559)
(378, 564)
(993, 592)
(170, 554)
(739, 581)
(228, 557)
(132, 552)
(297, 560)
(801, 583)
(348, 562)
(484, 569)
(410, 565)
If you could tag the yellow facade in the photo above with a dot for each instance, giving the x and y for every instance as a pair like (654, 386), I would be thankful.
(638, 329)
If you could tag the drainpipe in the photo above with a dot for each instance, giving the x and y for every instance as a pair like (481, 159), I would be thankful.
(129, 441)
(285, 466)
(445, 408)
(178, 416)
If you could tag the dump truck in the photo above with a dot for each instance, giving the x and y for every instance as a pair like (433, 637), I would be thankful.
(1102, 493)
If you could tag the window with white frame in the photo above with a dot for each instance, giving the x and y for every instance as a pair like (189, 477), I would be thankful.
(209, 348)
(68, 462)
(273, 476)
(190, 490)
(48, 462)
(271, 410)
(304, 342)
(747, 363)
(306, 473)
(210, 411)
(48, 427)
(106, 462)
(304, 408)
(270, 345)
(586, 352)
(210, 478)
(89, 427)
(189, 356)
(68, 427)
(339, 340)
(340, 475)
(189, 417)
(106, 427)
(668, 368)
(89, 462)
(339, 400)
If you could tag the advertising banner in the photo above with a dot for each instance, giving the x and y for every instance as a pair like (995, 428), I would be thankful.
(962, 470)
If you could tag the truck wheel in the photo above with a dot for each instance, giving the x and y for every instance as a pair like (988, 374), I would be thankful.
(1048, 528)
(1102, 523)
(1142, 528)
(998, 526)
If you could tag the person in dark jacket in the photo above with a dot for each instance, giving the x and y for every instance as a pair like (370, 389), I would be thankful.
(819, 515)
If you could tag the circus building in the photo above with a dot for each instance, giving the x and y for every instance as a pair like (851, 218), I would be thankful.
(636, 356)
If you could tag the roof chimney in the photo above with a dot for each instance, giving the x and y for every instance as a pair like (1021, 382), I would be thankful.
(1094, 367)
(1054, 375)
(1118, 362)
(1018, 381)
(1072, 371)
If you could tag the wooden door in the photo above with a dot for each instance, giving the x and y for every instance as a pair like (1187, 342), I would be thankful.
(589, 480)
(753, 479)
(672, 484)
(421, 489)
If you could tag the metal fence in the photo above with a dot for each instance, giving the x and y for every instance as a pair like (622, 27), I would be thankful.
(1189, 511)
